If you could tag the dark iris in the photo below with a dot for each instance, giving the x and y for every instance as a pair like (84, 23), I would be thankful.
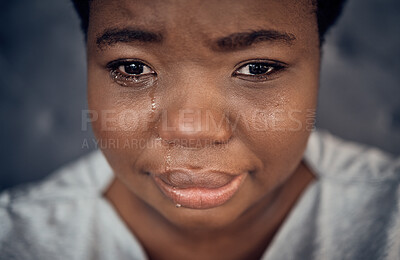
(259, 68)
(134, 68)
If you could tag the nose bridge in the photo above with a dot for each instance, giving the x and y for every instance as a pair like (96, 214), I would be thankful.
(195, 115)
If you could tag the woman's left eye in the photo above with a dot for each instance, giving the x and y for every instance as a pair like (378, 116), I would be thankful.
(258, 70)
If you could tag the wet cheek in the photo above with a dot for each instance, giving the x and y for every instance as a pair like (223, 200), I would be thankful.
(122, 119)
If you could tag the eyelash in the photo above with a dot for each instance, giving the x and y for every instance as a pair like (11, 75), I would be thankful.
(128, 80)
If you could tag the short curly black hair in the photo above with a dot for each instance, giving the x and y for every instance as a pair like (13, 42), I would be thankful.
(327, 11)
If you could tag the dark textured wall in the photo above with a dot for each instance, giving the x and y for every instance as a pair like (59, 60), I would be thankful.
(360, 82)
(43, 77)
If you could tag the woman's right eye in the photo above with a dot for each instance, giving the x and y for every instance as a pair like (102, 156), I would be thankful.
(131, 73)
(135, 69)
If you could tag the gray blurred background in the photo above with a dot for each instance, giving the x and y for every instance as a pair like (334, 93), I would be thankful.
(43, 78)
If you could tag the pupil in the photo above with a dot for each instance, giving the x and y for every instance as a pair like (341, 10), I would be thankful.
(134, 68)
(258, 68)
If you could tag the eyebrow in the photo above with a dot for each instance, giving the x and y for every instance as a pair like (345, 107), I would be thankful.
(237, 41)
(113, 36)
(232, 42)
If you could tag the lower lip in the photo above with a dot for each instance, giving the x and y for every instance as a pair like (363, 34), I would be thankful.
(201, 198)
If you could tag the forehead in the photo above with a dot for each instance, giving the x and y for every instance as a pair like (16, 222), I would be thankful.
(202, 19)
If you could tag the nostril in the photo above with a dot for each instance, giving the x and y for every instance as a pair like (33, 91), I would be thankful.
(222, 140)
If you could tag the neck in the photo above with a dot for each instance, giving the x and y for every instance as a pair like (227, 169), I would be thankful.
(256, 227)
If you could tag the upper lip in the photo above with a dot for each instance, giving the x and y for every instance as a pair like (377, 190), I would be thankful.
(183, 178)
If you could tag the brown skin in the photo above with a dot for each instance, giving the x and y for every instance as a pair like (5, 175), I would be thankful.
(191, 73)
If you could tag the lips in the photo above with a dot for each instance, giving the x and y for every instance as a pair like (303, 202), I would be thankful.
(198, 189)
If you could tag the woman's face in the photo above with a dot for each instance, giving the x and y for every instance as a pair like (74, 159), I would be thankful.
(204, 107)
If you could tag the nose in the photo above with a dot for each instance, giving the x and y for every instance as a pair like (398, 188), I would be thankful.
(194, 120)
(194, 127)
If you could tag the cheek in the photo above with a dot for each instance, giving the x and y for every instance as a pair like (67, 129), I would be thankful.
(122, 124)
(119, 116)
(277, 130)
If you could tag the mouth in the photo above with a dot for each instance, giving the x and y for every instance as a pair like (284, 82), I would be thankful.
(198, 189)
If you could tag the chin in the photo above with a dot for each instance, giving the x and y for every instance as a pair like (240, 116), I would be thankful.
(211, 219)
(202, 220)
